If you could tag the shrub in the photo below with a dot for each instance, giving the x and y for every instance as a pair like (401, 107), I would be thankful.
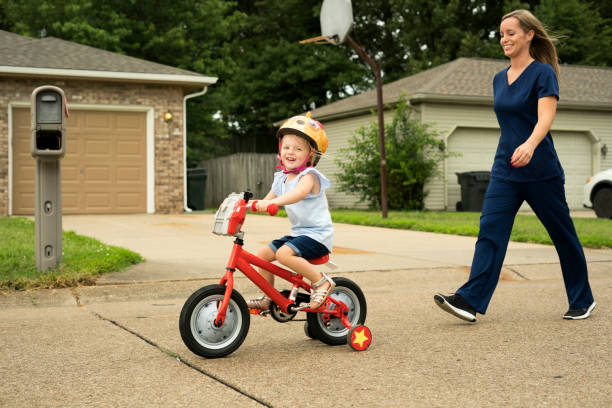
(413, 152)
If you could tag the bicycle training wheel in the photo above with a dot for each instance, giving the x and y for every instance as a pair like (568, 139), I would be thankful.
(197, 327)
(330, 330)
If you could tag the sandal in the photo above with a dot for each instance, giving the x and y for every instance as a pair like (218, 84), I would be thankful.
(261, 304)
(318, 296)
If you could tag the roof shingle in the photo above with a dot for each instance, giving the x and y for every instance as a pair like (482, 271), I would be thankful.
(50, 52)
(472, 78)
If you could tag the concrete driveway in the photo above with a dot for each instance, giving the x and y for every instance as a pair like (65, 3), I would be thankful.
(117, 344)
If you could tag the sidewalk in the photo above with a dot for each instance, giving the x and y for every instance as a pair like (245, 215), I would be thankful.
(117, 344)
(179, 247)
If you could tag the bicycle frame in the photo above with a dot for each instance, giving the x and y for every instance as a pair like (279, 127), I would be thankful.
(242, 260)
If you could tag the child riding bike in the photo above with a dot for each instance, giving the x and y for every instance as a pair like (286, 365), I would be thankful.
(301, 189)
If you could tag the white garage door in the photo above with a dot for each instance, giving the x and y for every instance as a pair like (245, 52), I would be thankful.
(477, 148)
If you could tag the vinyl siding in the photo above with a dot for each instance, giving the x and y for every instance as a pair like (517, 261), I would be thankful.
(339, 132)
(446, 119)
(573, 132)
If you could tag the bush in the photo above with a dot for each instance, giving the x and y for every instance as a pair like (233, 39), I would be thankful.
(413, 152)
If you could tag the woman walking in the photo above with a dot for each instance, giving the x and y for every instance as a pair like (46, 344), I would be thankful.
(525, 168)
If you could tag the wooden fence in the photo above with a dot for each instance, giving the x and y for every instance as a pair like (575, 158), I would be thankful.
(236, 173)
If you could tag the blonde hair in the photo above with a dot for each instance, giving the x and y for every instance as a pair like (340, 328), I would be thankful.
(542, 46)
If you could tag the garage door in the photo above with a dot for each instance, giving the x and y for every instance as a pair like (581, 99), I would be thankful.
(478, 146)
(104, 170)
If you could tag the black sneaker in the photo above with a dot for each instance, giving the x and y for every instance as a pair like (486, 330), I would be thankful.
(456, 306)
(577, 314)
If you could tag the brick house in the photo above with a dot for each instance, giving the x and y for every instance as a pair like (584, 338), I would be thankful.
(124, 154)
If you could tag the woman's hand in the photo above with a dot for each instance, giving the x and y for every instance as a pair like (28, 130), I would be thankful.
(522, 155)
(547, 106)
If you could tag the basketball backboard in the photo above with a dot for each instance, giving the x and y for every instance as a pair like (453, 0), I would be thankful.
(336, 20)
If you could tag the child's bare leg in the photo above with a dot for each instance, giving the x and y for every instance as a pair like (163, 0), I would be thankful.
(267, 254)
(287, 256)
(263, 303)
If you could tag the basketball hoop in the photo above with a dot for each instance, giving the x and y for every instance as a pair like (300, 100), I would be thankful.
(322, 39)
(336, 23)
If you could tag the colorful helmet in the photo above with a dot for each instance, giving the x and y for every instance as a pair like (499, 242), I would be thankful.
(307, 128)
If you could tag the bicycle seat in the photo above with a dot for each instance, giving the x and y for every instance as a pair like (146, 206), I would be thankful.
(319, 261)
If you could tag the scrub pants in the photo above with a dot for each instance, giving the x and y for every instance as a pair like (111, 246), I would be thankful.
(502, 201)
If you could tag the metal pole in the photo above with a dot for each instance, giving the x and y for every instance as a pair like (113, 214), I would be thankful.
(381, 122)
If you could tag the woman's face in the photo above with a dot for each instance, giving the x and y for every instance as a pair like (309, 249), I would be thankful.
(514, 40)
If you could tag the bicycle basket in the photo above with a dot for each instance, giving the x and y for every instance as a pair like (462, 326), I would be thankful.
(228, 219)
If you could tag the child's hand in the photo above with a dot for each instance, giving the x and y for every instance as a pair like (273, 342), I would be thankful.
(262, 205)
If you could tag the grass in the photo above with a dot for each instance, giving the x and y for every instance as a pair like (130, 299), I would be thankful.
(84, 259)
(593, 232)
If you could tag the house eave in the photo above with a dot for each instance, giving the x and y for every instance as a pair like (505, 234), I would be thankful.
(169, 79)
(420, 98)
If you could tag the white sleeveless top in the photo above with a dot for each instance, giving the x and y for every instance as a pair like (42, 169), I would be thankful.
(309, 216)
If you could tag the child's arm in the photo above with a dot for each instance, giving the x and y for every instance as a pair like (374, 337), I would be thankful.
(306, 184)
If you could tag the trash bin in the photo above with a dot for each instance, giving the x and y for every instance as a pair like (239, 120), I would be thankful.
(473, 188)
(196, 188)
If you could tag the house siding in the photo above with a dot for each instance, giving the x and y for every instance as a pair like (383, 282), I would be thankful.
(447, 118)
(339, 132)
(168, 137)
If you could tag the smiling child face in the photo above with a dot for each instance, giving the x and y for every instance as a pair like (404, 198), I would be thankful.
(294, 151)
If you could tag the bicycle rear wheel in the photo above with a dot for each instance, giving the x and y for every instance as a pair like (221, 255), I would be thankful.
(331, 330)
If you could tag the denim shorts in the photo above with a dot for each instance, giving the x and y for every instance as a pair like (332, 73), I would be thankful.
(302, 245)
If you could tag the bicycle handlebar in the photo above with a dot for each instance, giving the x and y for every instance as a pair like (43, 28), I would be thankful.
(272, 208)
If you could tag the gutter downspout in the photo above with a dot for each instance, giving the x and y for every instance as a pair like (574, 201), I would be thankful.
(193, 95)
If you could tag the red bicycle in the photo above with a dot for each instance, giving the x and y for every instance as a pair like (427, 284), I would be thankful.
(215, 319)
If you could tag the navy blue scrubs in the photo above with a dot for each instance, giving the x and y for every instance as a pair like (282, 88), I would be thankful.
(540, 183)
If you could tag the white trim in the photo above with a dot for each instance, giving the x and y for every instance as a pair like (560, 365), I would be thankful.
(10, 158)
(113, 75)
(193, 95)
(151, 160)
(150, 140)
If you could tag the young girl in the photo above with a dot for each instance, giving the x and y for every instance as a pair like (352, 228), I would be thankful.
(300, 188)
(525, 168)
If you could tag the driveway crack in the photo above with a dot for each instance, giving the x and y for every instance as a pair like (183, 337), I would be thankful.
(184, 362)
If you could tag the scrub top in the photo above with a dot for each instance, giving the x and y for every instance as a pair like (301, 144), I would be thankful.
(516, 108)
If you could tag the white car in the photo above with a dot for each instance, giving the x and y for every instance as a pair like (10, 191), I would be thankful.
(598, 194)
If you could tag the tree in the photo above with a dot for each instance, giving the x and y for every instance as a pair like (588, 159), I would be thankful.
(585, 37)
(266, 76)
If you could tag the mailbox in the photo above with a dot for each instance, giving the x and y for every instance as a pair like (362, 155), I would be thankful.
(47, 123)
(48, 145)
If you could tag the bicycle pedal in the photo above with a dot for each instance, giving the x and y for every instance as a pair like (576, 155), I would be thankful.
(304, 306)
(258, 312)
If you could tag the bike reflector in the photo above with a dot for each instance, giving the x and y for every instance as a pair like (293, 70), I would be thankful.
(230, 215)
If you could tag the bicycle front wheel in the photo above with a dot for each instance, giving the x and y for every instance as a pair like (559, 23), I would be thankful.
(197, 327)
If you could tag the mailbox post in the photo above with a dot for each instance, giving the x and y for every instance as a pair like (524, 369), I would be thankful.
(48, 145)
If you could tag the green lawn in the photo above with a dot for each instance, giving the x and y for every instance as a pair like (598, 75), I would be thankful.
(84, 259)
(593, 232)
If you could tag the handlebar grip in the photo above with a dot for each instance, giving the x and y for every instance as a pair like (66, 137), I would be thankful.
(272, 209)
